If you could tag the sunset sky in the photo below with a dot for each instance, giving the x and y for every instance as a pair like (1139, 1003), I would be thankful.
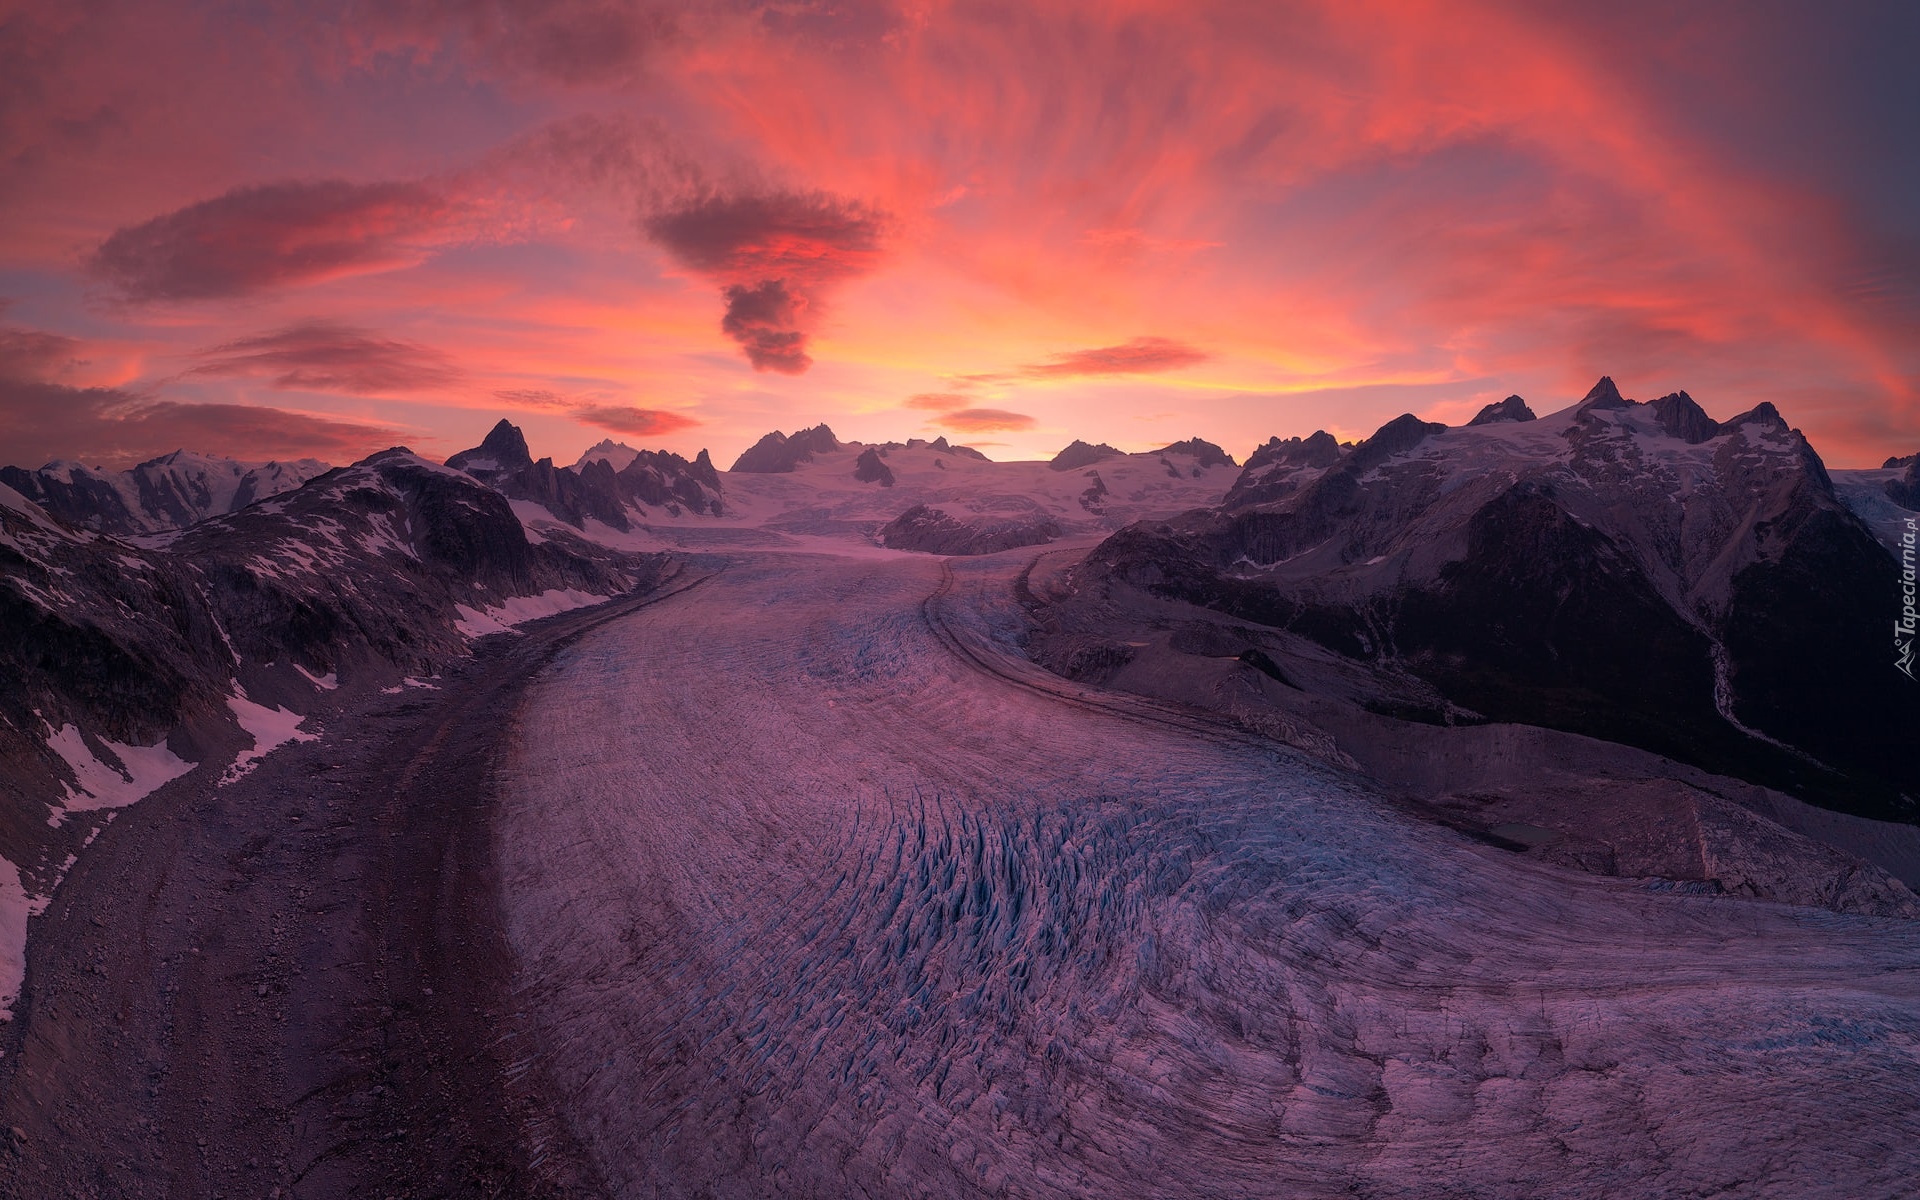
(274, 230)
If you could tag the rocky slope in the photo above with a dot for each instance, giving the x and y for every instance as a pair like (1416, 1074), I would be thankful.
(129, 664)
(1639, 573)
(170, 492)
(645, 483)
(932, 531)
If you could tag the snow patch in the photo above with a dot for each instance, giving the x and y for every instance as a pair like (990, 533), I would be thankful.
(16, 905)
(519, 610)
(325, 683)
(102, 785)
(270, 729)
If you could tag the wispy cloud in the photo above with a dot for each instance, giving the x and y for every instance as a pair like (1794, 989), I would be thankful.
(616, 418)
(255, 239)
(984, 420)
(319, 356)
(1140, 356)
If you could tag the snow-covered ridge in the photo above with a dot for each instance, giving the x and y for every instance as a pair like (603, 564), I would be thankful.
(169, 492)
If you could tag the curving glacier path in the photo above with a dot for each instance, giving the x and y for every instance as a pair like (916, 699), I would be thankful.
(818, 889)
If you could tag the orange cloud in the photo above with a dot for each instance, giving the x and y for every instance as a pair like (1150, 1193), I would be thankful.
(984, 420)
(1142, 355)
(936, 401)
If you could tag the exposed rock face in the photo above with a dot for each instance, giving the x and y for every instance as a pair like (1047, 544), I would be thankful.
(1680, 417)
(1513, 408)
(664, 479)
(1079, 454)
(1905, 491)
(596, 488)
(1094, 498)
(169, 492)
(501, 455)
(1280, 468)
(360, 575)
(869, 469)
(777, 453)
(932, 531)
(1205, 453)
(1634, 572)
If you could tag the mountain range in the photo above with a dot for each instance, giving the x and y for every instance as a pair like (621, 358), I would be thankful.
(1639, 575)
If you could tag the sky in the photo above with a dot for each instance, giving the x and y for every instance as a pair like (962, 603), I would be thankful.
(308, 229)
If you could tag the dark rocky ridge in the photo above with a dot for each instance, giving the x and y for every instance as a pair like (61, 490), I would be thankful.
(1079, 454)
(1905, 491)
(358, 574)
(869, 469)
(593, 489)
(1513, 408)
(1581, 588)
(1204, 452)
(931, 531)
(777, 453)
(1279, 468)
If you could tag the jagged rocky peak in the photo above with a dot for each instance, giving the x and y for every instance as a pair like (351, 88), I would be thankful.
(1900, 460)
(778, 453)
(1763, 414)
(1079, 454)
(1680, 417)
(1281, 467)
(869, 469)
(1603, 395)
(1317, 450)
(615, 454)
(503, 452)
(1207, 454)
(1397, 436)
(1513, 408)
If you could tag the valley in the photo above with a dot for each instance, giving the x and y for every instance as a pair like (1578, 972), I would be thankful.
(883, 820)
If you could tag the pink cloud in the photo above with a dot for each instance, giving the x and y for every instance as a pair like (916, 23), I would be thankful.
(320, 356)
(254, 239)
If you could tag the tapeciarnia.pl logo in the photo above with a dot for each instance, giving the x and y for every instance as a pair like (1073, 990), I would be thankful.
(1904, 627)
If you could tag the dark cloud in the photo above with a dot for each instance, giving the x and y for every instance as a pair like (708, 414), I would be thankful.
(617, 418)
(937, 401)
(806, 238)
(323, 357)
(254, 239)
(775, 254)
(765, 320)
(1140, 356)
(984, 420)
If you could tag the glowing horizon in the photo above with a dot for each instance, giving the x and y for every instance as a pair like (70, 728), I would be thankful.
(276, 234)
